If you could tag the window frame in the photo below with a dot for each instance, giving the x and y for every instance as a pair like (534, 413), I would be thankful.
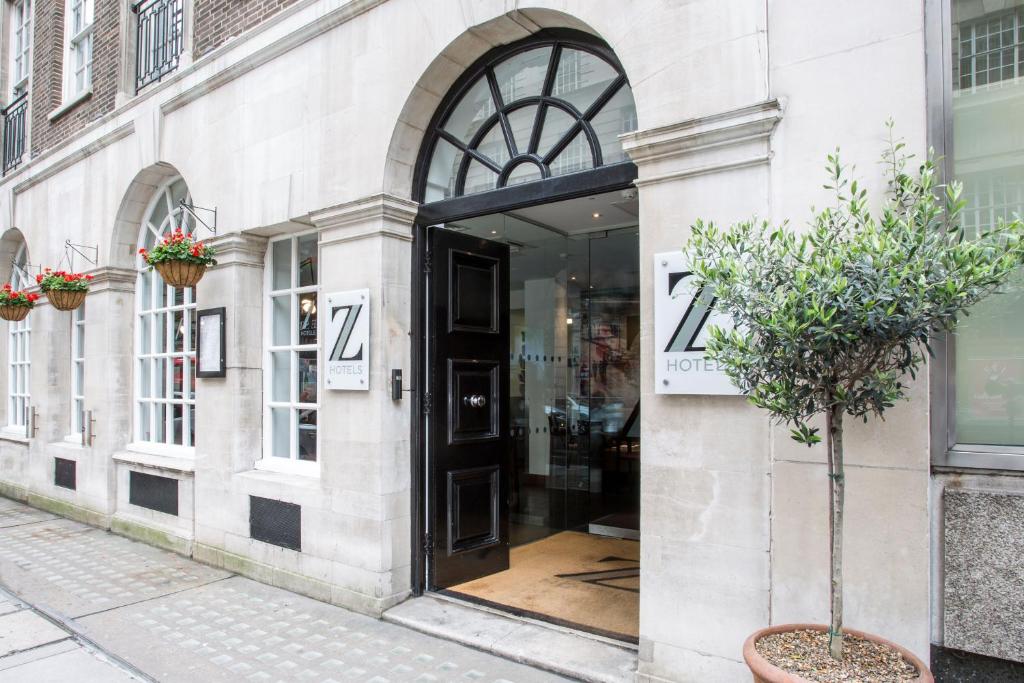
(267, 460)
(71, 43)
(165, 311)
(19, 353)
(77, 383)
(946, 452)
(20, 86)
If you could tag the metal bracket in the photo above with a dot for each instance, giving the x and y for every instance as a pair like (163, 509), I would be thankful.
(192, 209)
(88, 429)
(31, 422)
(22, 269)
(70, 249)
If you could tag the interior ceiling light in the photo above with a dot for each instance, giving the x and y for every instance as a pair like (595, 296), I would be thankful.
(597, 215)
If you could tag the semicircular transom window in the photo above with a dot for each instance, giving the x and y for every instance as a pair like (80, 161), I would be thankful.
(543, 111)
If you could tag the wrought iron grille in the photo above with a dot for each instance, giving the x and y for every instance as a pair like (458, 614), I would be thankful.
(158, 40)
(14, 132)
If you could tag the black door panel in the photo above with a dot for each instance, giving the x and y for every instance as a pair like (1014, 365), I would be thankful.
(468, 427)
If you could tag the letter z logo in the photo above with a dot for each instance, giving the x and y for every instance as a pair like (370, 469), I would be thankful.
(345, 334)
(696, 316)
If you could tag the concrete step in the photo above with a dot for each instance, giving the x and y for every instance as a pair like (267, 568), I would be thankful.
(527, 641)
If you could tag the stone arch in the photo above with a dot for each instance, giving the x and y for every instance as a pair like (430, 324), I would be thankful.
(124, 242)
(443, 72)
(11, 241)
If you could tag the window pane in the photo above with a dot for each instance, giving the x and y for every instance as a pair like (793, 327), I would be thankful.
(575, 157)
(988, 157)
(178, 330)
(307, 377)
(159, 377)
(79, 377)
(143, 416)
(523, 74)
(493, 145)
(521, 122)
(178, 424)
(523, 173)
(307, 260)
(282, 257)
(191, 363)
(145, 293)
(280, 425)
(581, 78)
(307, 435)
(281, 321)
(471, 112)
(178, 378)
(307, 318)
(159, 332)
(556, 124)
(479, 178)
(160, 423)
(144, 377)
(444, 166)
(280, 375)
(614, 119)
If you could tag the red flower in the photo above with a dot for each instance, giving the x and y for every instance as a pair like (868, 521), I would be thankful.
(89, 277)
(39, 278)
(142, 251)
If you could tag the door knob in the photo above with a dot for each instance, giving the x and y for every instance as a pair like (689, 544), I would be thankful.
(475, 401)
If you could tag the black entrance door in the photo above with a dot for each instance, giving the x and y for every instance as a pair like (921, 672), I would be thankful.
(468, 420)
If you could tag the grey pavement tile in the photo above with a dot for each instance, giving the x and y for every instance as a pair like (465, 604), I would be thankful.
(238, 629)
(41, 652)
(75, 569)
(24, 630)
(14, 514)
(76, 665)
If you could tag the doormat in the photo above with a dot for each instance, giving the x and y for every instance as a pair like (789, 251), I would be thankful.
(571, 578)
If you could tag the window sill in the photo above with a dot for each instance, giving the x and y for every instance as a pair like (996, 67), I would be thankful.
(301, 468)
(175, 458)
(15, 434)
(73, 440)
(70, 104)
(972, 458)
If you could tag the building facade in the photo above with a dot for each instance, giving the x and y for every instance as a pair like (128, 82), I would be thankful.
(485, 177)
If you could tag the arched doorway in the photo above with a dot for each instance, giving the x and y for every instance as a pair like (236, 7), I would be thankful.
(527, 260)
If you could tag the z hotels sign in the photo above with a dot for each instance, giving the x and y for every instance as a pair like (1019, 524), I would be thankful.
(348, 340)
(682, 313)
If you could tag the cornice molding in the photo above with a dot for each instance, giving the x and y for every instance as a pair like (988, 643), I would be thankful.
(379, 214)
(239, 249)
(71, 159)
(723, 141)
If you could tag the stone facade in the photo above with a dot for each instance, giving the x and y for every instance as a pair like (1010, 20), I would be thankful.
(314, 123)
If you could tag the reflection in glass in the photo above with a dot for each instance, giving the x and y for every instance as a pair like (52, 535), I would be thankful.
(307, 377)
(575, 157)
(470, 113)
(581, 78)
(307, 435)
(307, 318)
(521, 123)
(522, 75)
(988, 157)
(282, 258)
(280, 366)
(444, 166)
(479, 178)
(618, 116)
(280, 321)
(280, 419)
(307, 246)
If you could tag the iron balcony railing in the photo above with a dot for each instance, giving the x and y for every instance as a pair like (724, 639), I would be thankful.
(158, 40)
(15, 118)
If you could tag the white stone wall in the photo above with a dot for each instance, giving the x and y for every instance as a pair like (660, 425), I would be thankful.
(314, 121)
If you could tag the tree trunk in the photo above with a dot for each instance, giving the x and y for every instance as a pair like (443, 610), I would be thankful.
(837, 486)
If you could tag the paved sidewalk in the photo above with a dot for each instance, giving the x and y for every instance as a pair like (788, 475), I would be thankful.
(110, 608)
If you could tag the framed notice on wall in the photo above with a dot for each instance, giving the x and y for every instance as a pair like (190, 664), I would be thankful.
(682, 314)
(210, 343)
(347, 342)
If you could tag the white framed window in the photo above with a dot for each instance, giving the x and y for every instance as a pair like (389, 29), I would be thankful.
(165, 332)
(78, 370)
(78, 30)
(21, 44)
(292, 381)
(19, 351)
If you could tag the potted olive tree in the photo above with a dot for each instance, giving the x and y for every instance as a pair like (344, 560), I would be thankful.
(831, 323)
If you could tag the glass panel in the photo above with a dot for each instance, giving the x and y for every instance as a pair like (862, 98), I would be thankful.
(159, 377)
(178, 330)
(471, 112)
(575, 157)
(282, 257)
(493, 146)
(307, 377)
(614, 119)
(521, 122)
(177, 423)
(281, 320)
(190, 340)
(556, 124)
(280, 429)
(159, 423)
(178, 378)
(145, 332)
(159, 332)
(307, 245)
(80, 342)
(192, 425)
(179, 297)
(191, 362)
(157, 218)
(280, 377)
(79, 377)
(524, 173)
(523, 74)
(307, 318)
(444, 166)
(144, 377)
(989, 160)
(581, 78)
(479, 178)
(145, 289)
(143, 416)
(307, 435)
(159, 291)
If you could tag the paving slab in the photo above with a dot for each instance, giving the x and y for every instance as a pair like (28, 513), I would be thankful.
(238, 629)
(76, 665)
(24, 630)
(14, 514)
(75, 569)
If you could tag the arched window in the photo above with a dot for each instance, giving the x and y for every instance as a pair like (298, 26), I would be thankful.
(539, 109)
(19, 350)
(165, 332)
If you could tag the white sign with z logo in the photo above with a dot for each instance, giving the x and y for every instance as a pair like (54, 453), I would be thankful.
(682, 314)
(348, 340)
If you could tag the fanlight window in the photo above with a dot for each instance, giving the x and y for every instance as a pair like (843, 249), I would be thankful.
(544, 111)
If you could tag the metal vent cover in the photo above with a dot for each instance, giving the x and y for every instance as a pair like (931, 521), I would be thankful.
(64, 473)
(275, 522)
(153, 492)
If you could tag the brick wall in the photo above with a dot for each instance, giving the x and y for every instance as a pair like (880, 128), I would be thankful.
(47, 71)
(215, 21)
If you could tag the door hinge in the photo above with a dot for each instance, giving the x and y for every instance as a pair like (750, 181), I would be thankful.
(428, 403)
(427, 261)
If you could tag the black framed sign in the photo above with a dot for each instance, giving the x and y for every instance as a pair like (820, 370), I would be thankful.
(210, 343)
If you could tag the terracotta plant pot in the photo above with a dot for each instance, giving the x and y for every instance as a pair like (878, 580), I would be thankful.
(66, 299)
(766, 672)
(14, 313)
(181, 273)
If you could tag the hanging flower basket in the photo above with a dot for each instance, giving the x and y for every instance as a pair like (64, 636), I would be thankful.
(180, 260)
(15, 304)
(66, 291)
